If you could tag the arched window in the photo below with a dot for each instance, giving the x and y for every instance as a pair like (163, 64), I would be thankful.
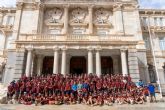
(152, 73)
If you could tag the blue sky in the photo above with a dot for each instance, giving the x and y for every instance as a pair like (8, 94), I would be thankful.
(143, 3)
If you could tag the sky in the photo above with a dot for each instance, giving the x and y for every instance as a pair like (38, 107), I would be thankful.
(159, 4)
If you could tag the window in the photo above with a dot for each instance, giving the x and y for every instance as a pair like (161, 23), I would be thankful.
(155, 21)
(147, 42)
(161, 22)
(152, 73)
(78, 31)
(162, 43)
(144, 21)
(9, 20)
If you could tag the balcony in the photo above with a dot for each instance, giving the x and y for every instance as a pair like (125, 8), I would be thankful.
(74, 38)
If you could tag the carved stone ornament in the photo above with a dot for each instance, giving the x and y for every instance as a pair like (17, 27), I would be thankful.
(78, 15)
(54, 15)
(102, 16)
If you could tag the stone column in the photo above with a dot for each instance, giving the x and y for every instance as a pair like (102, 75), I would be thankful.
(66, 11)
(124, 62)
(119, 18)
(63, 64)
(1, 18)
(39, 64)
(18, 18)
(98, 63)
(28, 63)
(56, 61)
(90, 61)
(90, 28)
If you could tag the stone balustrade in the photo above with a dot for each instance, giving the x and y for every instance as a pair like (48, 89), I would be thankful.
(83, 37)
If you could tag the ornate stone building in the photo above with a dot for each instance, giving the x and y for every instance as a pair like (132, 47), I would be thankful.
(80, 36)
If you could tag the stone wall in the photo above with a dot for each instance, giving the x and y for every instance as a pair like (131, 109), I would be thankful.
(10, 67)
(19, 64)
(143, 67)
(133, 65)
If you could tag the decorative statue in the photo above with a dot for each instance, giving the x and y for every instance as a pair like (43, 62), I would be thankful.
(54, 15)
(78, 15)
(101, 16)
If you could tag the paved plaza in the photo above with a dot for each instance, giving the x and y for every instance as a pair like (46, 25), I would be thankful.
(146, 106)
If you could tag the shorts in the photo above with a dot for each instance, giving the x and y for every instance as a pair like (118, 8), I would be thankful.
(152, 94)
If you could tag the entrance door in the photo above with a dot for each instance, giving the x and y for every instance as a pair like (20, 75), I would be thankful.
(106, 65)
(48, 65)
(77, 65)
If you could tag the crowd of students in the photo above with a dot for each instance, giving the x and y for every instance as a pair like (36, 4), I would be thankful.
(87, 89)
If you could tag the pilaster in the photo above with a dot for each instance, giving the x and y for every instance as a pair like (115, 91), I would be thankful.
(133, 65)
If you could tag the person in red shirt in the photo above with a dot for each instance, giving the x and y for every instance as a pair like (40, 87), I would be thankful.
(28, 87)
(146, 93)
(72, 99)
(27, 99)
(10, 91)
(89, 100)
(50, 88)
(51, 100)
(99, 100)
(46, 89)
(98, 86)
(66, 99)
(59, 99)
(38, 88)
(22, 88)
(122, 85)
(38, 100)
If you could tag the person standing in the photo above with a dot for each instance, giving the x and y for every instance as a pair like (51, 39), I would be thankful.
(151, 89)
(74, 89)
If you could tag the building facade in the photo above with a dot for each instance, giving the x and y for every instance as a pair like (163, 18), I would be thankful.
(80, 36)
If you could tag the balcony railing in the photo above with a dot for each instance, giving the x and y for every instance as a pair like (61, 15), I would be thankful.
(49, 37)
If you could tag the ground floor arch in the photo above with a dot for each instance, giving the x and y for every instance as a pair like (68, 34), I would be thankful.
(106, 65)
(47, 65)
(78, 65)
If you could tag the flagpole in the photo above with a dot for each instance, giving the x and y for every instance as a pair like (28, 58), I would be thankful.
(154, 58)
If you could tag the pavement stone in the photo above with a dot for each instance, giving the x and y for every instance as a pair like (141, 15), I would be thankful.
(146, 106)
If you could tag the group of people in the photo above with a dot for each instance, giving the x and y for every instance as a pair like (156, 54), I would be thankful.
(87, 89)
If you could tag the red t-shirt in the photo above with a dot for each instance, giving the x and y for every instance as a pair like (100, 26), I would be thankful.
(98, 85)
(67, 87)
(10, 88)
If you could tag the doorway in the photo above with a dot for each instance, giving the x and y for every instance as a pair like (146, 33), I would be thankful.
(47, 65)
(77, 65)
(106, 65)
